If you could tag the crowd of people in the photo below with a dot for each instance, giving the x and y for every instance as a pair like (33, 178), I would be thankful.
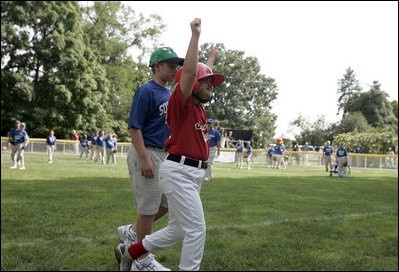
(102, 146)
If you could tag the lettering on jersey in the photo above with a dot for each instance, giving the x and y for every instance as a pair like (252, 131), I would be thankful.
(203, 128)
(163, 108)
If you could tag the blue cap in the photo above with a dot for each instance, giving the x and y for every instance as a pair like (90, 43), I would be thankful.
(23, 124)
(85, 136)
(110, 134)
(17, 122)
(211, 121)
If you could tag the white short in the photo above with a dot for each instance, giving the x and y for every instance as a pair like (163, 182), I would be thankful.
(147, 193)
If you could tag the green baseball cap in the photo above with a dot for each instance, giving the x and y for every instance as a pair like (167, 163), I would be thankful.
(165, 54)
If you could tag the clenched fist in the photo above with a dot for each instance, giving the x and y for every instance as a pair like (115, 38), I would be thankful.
(196, 26)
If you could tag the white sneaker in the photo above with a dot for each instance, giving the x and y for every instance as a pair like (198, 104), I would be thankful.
(147, 264)
(13, 167)
(22, 168)
(123, 257)
(126, 234)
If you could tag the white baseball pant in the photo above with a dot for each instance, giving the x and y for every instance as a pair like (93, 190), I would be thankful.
(50, 152)
(181, 185)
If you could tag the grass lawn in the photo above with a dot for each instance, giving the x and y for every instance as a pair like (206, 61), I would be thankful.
(64, 216)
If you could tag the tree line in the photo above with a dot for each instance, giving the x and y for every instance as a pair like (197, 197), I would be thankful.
(66, 66)
(369, 120)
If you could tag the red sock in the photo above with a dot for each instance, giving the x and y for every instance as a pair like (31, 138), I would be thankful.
(136, 250)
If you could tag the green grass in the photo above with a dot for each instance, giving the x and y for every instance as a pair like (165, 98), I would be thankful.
(64, 216)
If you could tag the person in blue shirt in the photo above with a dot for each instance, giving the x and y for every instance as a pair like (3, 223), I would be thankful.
(101, 147)
(85, 147)
(11, 141)
(248, 154)
(214, 146)
(51, 143)
(327, 154)
(110, 144)
(239, 154)
(278, 153)
(21, 141)
(269, 155)
(342, 159)
(94, 144)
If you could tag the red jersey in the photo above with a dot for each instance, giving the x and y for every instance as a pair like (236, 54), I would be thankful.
(188, 127)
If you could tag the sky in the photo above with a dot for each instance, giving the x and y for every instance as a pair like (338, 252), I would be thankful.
(305, 46)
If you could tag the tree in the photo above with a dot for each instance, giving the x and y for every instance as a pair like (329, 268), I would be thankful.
(315, 133)
(375, 107)
(244, 100)
(353, 122)
(50, 79)
(347, 87)
(112, 29)
(394, 105)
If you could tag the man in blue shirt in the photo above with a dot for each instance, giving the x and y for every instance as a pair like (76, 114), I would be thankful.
(11, 141)
(111, 146)
(85, 147)
(21, 141)
(101, 147)
(94, 144)
(51, 145)
(342, 159)
(239, 154)
(248, 154)
(214, 143)
(278, 153)
(327, 154)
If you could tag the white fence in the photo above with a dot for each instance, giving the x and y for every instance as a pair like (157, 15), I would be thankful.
(66, 147)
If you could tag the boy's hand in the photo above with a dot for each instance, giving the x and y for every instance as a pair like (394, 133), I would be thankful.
(196, 26)
(214, 53)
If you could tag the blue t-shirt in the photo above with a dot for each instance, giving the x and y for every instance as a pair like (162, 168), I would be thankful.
(214, 137)
(110, 143)
(84, 142)
(341, 152)
(21, 136)
(51, 140)
(148, 113)
(239, 148)
(101, 140)
(328, 150)
(278, 149)
(270, 152)
(94, 139)
(358, 150)
(12, 133)
(249, 149)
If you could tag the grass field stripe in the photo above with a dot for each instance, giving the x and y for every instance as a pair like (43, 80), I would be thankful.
(286, 220)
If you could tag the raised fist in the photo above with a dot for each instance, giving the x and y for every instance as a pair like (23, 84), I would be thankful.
(196, 26)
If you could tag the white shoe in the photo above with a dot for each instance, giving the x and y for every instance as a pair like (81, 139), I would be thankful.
(147, 264)
(13, 167)
(123, 257)
(22, 168)
(126, 234)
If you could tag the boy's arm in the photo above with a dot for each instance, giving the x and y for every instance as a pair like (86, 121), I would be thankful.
(191, 60)
(146, 165)
(212, 56)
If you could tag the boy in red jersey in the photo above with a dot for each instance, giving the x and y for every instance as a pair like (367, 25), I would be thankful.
(183, 171)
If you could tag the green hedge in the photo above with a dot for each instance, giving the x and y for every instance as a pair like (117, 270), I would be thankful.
(370, 142)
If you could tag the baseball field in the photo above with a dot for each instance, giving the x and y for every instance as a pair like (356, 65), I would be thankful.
(63, 216)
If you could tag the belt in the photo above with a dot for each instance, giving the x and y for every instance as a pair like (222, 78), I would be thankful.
(156, 147)
(188, 161)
